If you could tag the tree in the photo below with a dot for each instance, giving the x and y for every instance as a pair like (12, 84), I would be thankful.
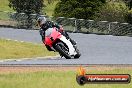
(84, 9)
(27, 6)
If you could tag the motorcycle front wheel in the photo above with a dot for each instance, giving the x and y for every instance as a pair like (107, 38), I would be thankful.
(63, 50)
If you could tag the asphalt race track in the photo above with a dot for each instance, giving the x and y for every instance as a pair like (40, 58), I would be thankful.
(95, 49)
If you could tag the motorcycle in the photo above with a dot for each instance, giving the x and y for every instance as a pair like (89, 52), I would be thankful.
(59, 43)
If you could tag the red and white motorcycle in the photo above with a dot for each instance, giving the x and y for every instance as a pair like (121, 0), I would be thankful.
(61, 44)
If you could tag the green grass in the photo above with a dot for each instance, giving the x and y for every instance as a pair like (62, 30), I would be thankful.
(4, 16)
(4, 6)
(49, 9)
(11, 49)
(55, 79)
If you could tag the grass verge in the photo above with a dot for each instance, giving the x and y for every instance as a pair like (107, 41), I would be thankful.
(12, 49)
(58, 79)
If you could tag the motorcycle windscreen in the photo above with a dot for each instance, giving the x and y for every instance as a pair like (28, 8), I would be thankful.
(48, 33)
(51, 35)
(55, 34)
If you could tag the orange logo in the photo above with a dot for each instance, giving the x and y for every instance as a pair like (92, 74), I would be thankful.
(81, 71)
(83, 78)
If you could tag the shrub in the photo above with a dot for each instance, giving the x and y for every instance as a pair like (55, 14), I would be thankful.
(129, 16)
(82, 9)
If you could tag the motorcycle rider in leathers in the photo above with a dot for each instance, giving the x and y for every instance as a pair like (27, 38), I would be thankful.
(44, 25)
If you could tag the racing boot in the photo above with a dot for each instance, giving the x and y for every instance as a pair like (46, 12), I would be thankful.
(73, 43)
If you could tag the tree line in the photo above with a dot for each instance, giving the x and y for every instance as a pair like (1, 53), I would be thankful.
(110, 10)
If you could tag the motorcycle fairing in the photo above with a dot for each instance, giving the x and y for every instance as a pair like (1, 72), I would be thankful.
(51, 34)
(69, 44)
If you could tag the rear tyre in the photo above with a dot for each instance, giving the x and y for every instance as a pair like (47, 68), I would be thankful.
(63, 50)
(78, 54)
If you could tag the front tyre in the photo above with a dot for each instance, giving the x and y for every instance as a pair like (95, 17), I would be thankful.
(63, 50)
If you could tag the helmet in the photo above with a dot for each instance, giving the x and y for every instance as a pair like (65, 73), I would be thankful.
(41, 21)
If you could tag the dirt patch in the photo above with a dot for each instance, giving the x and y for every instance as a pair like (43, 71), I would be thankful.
(7, 22)
(7, 70)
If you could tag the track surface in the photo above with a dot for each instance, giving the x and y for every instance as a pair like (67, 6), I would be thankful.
(95, 49)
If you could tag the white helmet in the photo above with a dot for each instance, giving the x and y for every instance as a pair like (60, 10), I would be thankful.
(41, 20)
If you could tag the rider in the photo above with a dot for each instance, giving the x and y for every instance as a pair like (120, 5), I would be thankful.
(44, 25)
